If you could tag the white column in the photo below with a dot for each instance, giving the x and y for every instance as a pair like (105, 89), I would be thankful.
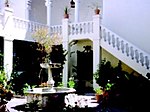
(8, 40)
(8, 57)
(66, 47)
(96, 44)
(28, 8)
(76, 10)
(48, 4)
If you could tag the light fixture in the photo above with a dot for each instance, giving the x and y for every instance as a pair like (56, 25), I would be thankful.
(72, 4)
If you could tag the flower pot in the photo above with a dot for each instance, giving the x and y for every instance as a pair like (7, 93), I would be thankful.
(98, 97)
(66, 15)
(97, 11)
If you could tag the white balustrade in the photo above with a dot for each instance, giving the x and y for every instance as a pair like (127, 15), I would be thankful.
(1, 21)
(81, 28)
(28, 25)
(56, 29)
(125, 47)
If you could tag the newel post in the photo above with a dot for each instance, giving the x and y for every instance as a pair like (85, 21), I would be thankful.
(66, 47)
(8, 28)
(96, 44)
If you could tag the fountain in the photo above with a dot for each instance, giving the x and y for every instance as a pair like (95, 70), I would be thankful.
(46, 94)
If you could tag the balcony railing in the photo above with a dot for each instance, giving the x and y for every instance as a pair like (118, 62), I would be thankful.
(28, 25)
(130, 51)
(81, 28)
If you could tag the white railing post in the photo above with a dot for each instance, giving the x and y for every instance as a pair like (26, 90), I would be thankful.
(66, 47)
(96, 44)
(48, 4)
(8, 41)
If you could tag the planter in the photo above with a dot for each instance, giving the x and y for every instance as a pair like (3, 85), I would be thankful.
(66, 15)
(97, 11)
(98, 97)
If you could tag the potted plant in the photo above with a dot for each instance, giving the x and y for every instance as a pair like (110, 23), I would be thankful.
(98, 93)
(66, 12)
(96, 8)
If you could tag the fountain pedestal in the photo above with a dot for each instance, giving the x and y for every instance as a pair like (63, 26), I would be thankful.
(50, 95)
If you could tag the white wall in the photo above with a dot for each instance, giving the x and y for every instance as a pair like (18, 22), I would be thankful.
(18, 8)
(130, 19)
(86, 10)
(38, 11)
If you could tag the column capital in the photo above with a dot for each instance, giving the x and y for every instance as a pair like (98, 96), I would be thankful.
(48, 2)
(28, 4)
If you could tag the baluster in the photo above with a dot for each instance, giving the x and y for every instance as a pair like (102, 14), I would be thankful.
(127, 49)
(69, 32)
(76, 31)
(52, 31)
(109, 38)
(80, 26)
(88, 27)
(73, 29)
(142, 59)
(122, 46)
(137, 56)
(104, 35)
(118, 43)
(28, 26)
(147, 62)
(131, 52)
(113, 41)
(84, 29)
(92, 27)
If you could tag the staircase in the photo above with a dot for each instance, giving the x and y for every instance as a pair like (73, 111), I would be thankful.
(125, 51)
(114, 44)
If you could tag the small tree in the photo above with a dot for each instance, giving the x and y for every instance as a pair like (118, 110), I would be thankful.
(45, 42)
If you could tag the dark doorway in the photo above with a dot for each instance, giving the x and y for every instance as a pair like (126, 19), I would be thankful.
(25, 61)
(85, 70)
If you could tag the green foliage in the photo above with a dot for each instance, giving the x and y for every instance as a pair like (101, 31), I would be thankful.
(99, 90)
(107, 76)
(71, 82)
(60, 84)
(108, 86)
(3, 78)
(5, 92)
(66, 10)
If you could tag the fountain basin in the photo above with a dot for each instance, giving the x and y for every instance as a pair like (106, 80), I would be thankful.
(47, 95)
(49, 90)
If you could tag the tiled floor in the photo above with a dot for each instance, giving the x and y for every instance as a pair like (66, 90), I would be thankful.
(14, 102)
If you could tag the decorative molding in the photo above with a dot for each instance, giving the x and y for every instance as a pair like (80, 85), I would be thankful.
(28, 4)
(48, 2)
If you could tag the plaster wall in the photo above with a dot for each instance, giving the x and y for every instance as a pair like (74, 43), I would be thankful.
(114, 61)
(129, 19)
(85, 10)
(19, 8)
(38, 11)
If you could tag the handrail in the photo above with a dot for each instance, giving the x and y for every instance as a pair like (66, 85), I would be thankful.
(126, 47)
